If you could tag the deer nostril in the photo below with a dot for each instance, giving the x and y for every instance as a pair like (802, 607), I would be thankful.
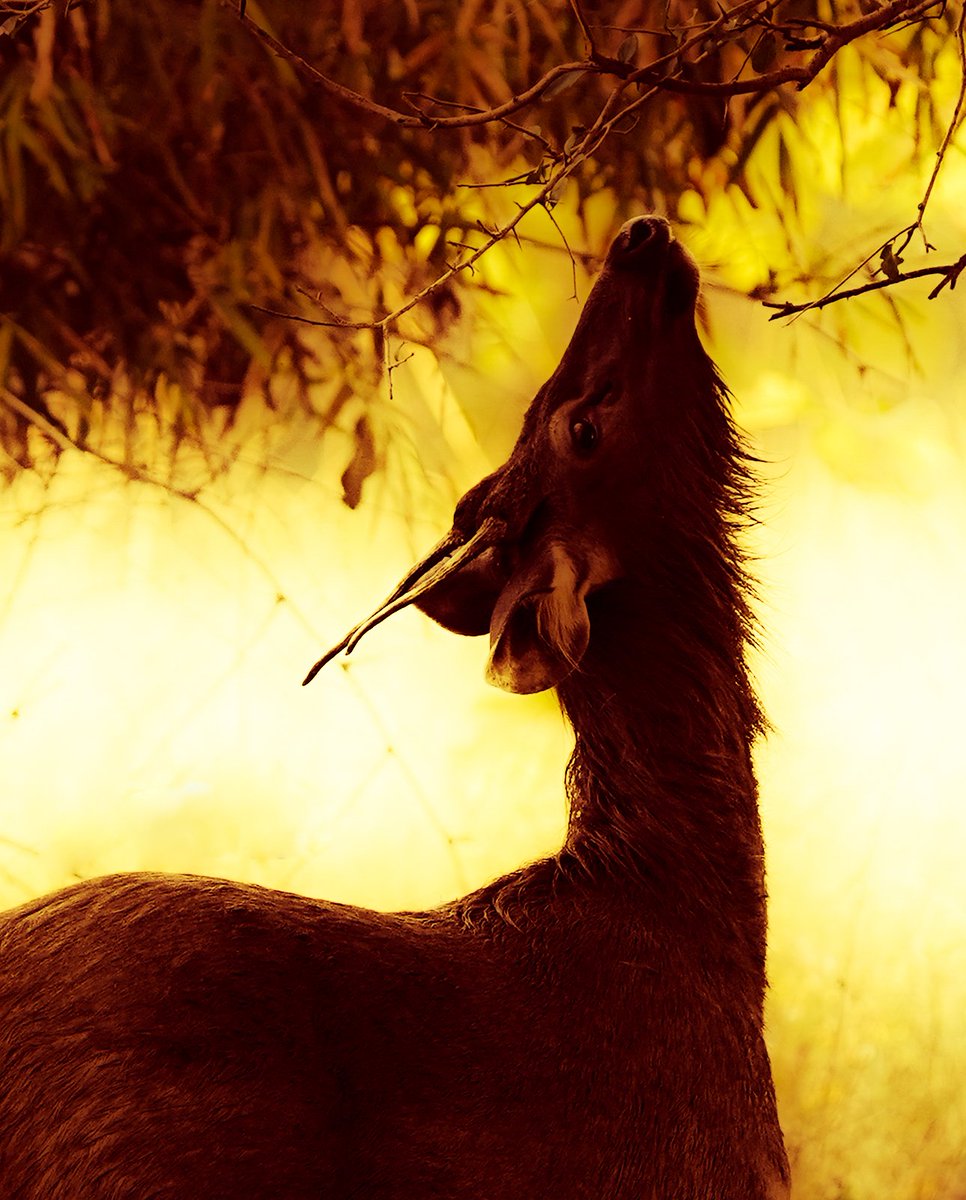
(640, 232)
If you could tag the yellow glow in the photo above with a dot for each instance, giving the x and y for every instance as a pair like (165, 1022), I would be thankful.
(151, 714)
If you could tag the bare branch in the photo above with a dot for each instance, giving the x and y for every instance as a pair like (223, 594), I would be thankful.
(891, 249)
(879, 19)
(349, 326)
(752, 14)
(136, 474)
(584, 27)
(955, 120)
(315, 151)
(950, 274)
(420, 120)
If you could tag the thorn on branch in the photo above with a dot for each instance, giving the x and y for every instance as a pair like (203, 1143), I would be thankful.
(454, 268)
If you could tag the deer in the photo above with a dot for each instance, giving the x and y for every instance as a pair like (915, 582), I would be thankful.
(589, 1026)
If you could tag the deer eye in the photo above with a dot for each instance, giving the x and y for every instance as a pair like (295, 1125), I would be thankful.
(584, 436)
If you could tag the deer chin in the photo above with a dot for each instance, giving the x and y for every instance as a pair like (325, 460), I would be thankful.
(540, 628)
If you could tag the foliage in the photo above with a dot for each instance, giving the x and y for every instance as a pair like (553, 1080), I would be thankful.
(178, 180)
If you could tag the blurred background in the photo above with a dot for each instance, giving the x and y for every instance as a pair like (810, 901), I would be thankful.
(201, 495)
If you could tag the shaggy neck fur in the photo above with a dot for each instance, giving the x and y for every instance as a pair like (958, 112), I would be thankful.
(661, 785)
(664, 829)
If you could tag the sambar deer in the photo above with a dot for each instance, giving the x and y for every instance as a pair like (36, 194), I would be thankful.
(588, 1027)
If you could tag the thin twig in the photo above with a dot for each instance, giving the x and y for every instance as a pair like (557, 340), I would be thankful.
(65, 442)
(836, 37)
(657, 76)
(349, 326)
(880, 18)
(897, 243)
(563, 238)
(954, 121)
(421, 120)
(584, 27)
(950, 273)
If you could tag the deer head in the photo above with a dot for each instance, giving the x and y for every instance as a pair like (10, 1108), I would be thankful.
(575, 507)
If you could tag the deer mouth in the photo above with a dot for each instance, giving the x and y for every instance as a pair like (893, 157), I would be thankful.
(448, 558)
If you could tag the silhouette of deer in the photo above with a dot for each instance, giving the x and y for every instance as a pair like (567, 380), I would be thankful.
(588, 1027)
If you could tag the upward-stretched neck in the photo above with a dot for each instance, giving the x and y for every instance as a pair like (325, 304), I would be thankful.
(661, 783)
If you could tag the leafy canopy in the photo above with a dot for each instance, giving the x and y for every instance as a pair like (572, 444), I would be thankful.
(198, 203)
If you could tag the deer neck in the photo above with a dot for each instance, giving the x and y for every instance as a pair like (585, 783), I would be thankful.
(661, 782)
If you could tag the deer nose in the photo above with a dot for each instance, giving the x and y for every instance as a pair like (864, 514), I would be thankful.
(638, 233)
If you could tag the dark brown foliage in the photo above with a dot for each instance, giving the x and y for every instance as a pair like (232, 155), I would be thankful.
(167, 177)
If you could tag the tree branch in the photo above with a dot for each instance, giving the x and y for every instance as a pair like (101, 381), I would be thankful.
(890, 251)
(752, 14)
(748, 15)
(584, 27)
(420, 120)
(955, 120)
(950, 274)
(879, 19)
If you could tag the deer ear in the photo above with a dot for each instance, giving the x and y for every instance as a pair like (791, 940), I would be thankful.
(540, 627)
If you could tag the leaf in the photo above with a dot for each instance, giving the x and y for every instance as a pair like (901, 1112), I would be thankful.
(6, 346)
(43, 80)
(35, 146)
(560, 84)
(571, 144)
(627, 50)
(765, 51)
(15, 189)
(52, 117)
(555, 195)
(890, 262)
(361, 465)
(243, 331)
(786, 172)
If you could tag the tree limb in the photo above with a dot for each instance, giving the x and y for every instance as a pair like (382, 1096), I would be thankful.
(950, 274)
(420, 120)
(890, 251)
